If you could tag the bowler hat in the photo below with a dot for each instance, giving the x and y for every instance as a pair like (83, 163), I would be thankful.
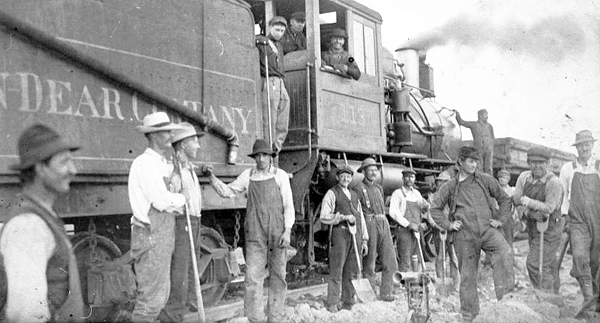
(298, 16)
(467, 151)
(338, 32)
(366, 163)
(187, 130)
(443, 176)
(583, 136)
(504, 172)
(345, 169)
(38, 143)
(278, 20)
(158, 121)
(408, 171)
(261, 146)
(538, 154)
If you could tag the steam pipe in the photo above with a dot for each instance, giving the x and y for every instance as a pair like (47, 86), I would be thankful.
(71, 55)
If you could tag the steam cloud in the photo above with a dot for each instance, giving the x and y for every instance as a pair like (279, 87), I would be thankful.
(550, 39)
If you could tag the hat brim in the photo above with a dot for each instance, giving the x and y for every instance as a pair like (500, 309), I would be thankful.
(146, 129)
(360, 169)
(262, 152)
(583, 141)
(537, 158)
(45, 155)
(175, 140)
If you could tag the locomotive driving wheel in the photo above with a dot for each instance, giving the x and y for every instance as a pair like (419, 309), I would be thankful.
(214, 279)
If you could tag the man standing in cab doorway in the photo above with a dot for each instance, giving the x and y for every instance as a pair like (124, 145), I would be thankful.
(268, 226)
(581, 207)
(483, 138)
(274, 94)
(541, 192)
(370, 195)
(42, 278)
(294, 39)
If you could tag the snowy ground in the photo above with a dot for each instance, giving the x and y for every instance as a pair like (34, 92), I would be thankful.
(524, 305)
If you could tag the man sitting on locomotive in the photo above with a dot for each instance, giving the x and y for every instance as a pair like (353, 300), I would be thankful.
(337, 59)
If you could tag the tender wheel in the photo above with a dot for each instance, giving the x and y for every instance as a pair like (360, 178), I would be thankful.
(213, 280)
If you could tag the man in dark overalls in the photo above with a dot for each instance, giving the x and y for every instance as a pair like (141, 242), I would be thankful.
(381, 245)
(541, 192)
(340, 209)
(41, 277)
(471, 197)
(408, 208)
(268, 225)
(581, 182)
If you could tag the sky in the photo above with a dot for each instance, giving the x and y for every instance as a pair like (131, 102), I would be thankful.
(533, 64)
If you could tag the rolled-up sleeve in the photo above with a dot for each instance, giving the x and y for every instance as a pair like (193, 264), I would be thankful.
(238, 186)
(398, 208)
(327, 207)
(554, 196)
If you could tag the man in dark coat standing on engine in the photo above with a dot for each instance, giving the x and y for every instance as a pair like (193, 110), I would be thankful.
(381, 245)
(41, 270)
(541, 192)
(483, 138)
(294, 39)
(469, 196)
(581, 183)
(268, 226)
(340, 209)
(274, 93)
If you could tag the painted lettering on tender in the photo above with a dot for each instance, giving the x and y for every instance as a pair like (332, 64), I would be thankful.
(28, 92)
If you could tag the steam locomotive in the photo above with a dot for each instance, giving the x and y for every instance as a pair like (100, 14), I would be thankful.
(94, 69)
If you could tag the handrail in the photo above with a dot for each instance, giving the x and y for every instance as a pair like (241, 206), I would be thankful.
(72, 55)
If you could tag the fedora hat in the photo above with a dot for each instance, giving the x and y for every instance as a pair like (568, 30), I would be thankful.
(187, 130)
(366, 163)
(38, 143)
(338, 32)
(583, 136)
(158, 121)
(261, 146)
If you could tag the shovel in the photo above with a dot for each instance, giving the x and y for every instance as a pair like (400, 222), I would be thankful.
(362, 286)
(541, 227)
(430, 285)
(446, 286)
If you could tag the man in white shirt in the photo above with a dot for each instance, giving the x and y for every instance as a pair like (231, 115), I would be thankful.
(42, 278)
(409, 209)
(268, 225)
(581, 202)
(153, 220)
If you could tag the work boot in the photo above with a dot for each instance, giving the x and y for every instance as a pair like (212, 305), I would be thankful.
(387, 298)
(468, 317)
(347, 306)
(333, 308)
(585, 285)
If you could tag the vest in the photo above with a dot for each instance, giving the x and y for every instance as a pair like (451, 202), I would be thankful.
(343, 205)
(56, 275)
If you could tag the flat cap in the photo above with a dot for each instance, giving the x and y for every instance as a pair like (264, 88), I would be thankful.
(503, 172)
(345, 169)
(467, 151)
(538, 153)
(408, 171)
(298, 16)
(278, 20)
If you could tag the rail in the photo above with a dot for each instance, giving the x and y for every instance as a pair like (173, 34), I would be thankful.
(65, 52)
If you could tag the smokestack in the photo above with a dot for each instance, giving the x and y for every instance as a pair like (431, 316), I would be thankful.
(410, 58)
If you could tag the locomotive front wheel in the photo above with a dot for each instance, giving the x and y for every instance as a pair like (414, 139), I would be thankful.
(212, 287)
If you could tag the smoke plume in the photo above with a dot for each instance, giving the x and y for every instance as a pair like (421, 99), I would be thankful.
(550, 39)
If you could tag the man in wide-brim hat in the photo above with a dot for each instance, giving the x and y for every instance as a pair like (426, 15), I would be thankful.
(337, 58)
(184, 179)
(42, 278)
(153, 222)
(581, 208)
(269, 219)
(370, 195)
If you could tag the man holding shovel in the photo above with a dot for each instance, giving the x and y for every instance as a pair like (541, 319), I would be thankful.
(341, 209)
(541, 192)
(470, 197)
(187, 226)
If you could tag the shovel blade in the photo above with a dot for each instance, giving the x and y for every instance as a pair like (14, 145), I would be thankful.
(364, 291)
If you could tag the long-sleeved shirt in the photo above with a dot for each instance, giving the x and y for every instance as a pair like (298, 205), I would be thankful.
(328, 217)
(371, 197)
(473, 206)
(190, 185)
(242, 182)
(274, 52)
(147, 186)
(483, 133)
(398, 204)
(566, 177)
(553, 189)
(293, 41)
(335, 59)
